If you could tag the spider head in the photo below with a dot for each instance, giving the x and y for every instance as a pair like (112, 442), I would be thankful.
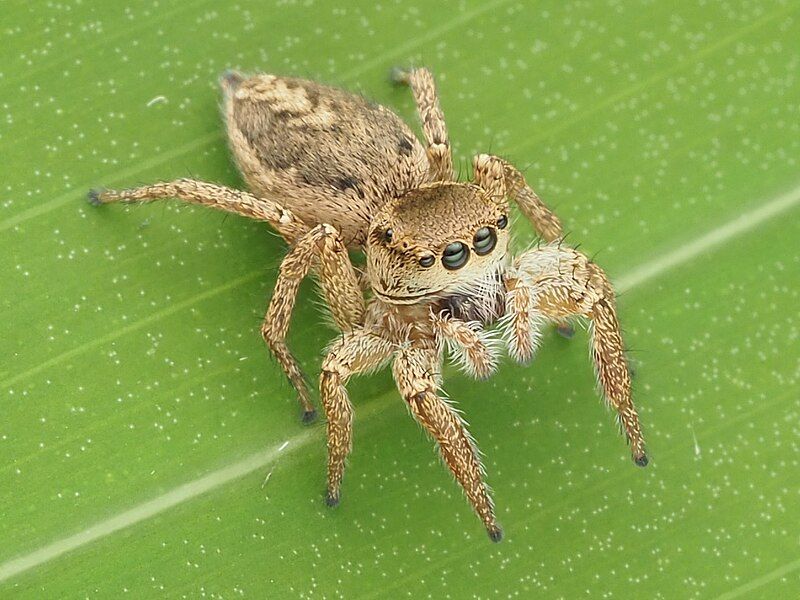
(435, 241)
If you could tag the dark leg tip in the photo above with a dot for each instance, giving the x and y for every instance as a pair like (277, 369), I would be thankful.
(331, 499)
(93, 197)
(641, 461)
(495, 533)
(398, 76)
(566, 331)
(309, 416)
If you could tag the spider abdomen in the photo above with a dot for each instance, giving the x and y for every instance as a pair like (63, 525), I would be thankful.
(327, 155)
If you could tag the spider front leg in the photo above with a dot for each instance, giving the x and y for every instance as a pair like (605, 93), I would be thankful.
(355, 352)
(554, 283)
(433, 125)
(416, 373)
(339, 285)
(213, 196)
(502, 179)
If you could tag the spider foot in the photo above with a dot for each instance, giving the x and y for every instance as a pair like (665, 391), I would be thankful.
(93, 197)
(495, 533)
(566, 330)
(331, 499)
(309, 416)
(641, 461)
(399, 76)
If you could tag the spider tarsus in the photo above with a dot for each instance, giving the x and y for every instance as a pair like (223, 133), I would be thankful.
(399, 76)
(641, 461)
(331, 499)
(566, 331)
(495, 533)
(93, 197)
(309, 416)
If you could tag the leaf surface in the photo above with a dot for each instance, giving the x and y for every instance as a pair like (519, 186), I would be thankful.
(150, 446)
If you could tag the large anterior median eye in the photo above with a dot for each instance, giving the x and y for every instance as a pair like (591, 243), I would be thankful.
(484, 241)
(455, 256)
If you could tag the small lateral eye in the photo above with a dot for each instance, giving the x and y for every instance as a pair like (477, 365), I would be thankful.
(484, 241)
(427, 260)
(455, 256)
(502, 222)
(387, 235)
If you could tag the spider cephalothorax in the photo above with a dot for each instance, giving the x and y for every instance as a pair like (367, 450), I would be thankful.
(435, 241)
(330, 171)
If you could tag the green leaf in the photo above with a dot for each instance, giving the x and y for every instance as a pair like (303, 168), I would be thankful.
(150, 446)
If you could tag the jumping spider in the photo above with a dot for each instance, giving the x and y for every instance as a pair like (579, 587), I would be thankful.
(331, 171)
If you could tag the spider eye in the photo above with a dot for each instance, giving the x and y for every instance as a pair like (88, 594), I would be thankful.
(427, 260)
(455, 256)
(502, 222)
(387, 235)
(484, 241)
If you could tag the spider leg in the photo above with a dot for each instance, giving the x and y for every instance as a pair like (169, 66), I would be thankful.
(502, 179)
(555, 282)
(433, 125)
(355, 352)
(212, 195)
(566, 329)
(415, 373)
(339, 285)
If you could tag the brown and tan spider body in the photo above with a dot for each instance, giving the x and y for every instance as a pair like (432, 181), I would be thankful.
(331, 171)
